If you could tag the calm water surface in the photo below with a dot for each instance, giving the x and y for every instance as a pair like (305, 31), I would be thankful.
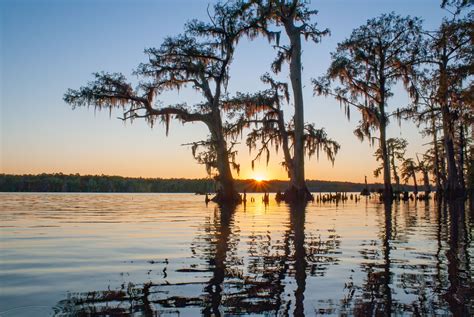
(170, 254)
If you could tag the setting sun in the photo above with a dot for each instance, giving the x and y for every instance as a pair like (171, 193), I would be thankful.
(259, 178)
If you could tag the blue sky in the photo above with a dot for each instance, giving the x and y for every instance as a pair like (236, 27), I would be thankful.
(48, 46)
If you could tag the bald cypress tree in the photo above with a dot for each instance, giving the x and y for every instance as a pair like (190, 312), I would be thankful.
(444, 88)
(367, 65)
(396, 148)
(200, 58)
(263, 112)
(291, 19)
(449, 57)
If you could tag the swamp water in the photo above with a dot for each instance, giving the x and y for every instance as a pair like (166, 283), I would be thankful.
(170, 254)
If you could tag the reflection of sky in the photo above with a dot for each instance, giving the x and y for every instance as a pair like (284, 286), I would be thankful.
(49, 46)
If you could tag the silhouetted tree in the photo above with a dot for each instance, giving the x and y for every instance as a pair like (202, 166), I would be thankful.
(409, 170)
(294, 17)
(396, 148)
(424, 168)
(373, 59)
(426, 112)
(263, 110)
(449, 55)
(200, 57)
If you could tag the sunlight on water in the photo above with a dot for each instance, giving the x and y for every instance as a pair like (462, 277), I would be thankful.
(99, 254)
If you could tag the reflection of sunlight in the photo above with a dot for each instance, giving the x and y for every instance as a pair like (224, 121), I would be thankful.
(260, 208)
(255, 206)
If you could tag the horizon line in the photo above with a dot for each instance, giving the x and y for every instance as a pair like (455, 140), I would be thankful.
(175, 178)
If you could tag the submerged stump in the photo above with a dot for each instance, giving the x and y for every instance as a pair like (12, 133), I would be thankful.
(232, 198)
(295, 195)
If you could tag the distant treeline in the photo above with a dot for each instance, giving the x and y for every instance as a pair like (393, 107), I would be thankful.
(100, 183)
(117, 184)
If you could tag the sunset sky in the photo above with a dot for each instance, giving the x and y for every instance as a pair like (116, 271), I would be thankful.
(49, 46)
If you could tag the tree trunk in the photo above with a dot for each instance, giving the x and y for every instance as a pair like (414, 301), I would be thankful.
(426, 181)
(415, 184)
(453, 188)
(442, 166)
(285, 145)
(298, 179)
(462, 145)
(226, 192)
(388, 192)
(394, 169)
(439, 183)
(471, 171)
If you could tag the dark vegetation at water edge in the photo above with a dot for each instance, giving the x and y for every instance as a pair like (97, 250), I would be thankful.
(100, 183)
(118, 184)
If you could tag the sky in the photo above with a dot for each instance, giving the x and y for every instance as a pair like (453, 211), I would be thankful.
(48, 46)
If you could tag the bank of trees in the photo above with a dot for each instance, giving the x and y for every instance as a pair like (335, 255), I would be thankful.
(435, 67)
(74, 183)
(447, 78)
(367, 66)
(100, 184)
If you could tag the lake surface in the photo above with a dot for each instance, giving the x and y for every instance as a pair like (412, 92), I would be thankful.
(170, 254)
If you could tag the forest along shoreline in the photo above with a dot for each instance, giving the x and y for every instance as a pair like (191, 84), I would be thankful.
(70, 183)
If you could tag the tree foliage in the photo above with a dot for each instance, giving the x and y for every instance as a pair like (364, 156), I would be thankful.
(367, 66)
(264, 110)
(201, 58)
(444, 86)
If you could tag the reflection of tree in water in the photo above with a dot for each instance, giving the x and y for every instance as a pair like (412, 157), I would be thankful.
(296, 255)
(374, 297)
(460, 294)
(216, 244)
(272, 277)
(442, 285)
(260, 287)
(230, 287)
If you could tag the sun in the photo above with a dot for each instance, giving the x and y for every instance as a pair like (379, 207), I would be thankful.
(259, 178)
